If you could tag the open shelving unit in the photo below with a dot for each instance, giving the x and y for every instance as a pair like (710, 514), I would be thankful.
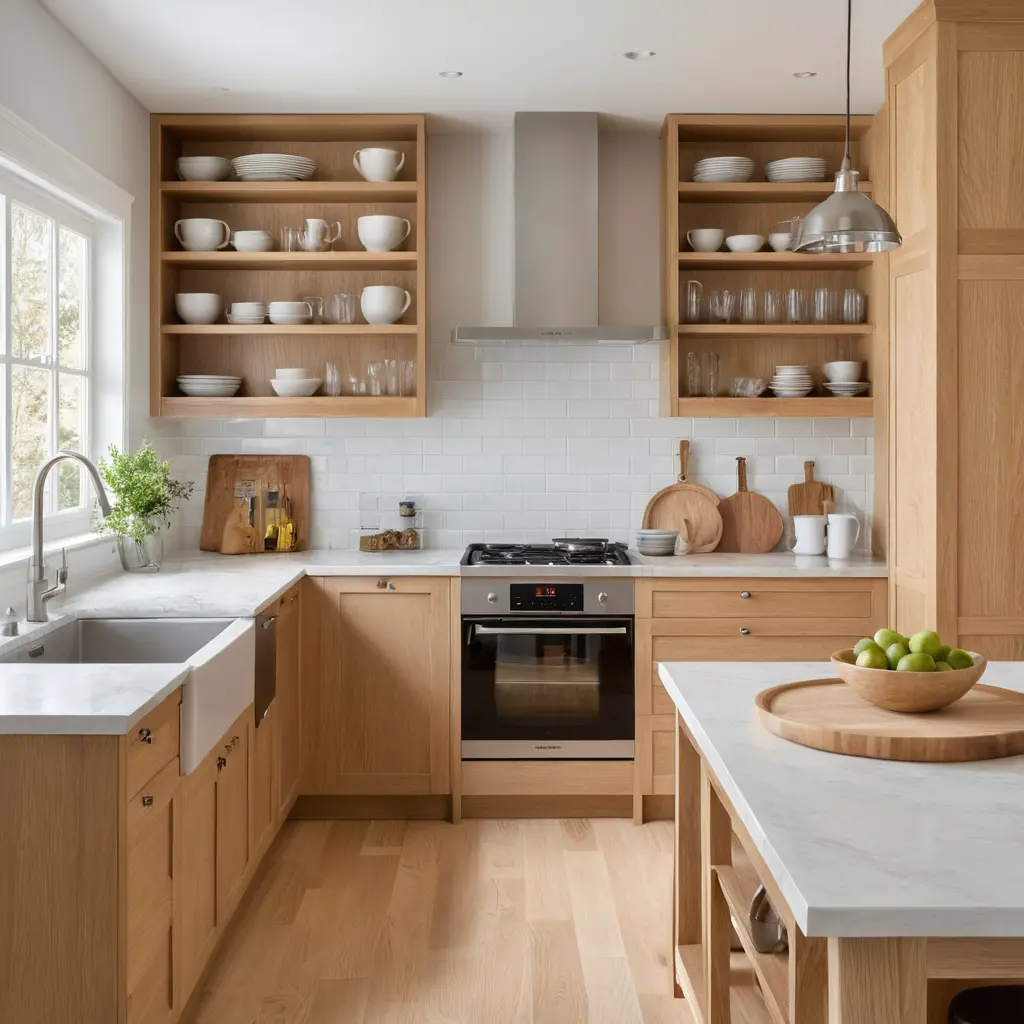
(753, 207)
(337, 193)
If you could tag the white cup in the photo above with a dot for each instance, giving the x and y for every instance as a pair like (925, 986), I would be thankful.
(843, 532)
(780, 240)
(378, 164)
(317, 236)
(810, 535)
(202, 234)
(381, 233)
(744, 243)
(705, 239)
(384, 303)
(198, 307)
(252, 241)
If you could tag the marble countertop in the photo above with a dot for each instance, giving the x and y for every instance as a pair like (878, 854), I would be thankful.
(861, 847)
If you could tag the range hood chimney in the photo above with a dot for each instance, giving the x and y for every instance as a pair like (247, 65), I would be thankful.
(556, 266)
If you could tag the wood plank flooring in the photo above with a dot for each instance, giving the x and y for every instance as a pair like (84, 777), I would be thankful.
(487, 922)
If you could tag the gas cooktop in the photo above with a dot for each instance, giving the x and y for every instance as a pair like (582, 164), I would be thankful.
(542, 554)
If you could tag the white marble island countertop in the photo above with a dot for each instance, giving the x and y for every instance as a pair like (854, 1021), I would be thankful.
(860, 847)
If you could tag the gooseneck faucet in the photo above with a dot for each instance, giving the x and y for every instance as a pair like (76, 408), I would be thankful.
(39, 591)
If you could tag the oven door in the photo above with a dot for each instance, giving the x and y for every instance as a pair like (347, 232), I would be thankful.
(544, 687)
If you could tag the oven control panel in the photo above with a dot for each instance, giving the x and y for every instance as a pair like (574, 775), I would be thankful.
(546, 597)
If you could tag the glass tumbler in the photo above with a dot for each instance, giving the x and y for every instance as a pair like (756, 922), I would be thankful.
(332, 380)
(747, 306)
(692, 298)
(408, 380)
(291, 240)
(709, 373)
(854, 306)
(341, 307)
(722, 306)
(375, 379)
(822, 306)
(694, 384)
(795, 307)
(392, 378)
(774, 308)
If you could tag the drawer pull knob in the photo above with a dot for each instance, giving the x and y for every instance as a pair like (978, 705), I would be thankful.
(745, 594)
(234, 741)
(221, 763)
(145, 735)
(744, 631)
(147, 801)
(385, 585)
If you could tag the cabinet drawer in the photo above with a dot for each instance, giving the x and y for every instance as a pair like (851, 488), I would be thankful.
(152, 743)
(661, 702)
(754, 647)
(753, 599)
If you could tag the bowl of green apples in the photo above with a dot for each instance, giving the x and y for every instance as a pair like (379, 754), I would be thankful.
(908, 674)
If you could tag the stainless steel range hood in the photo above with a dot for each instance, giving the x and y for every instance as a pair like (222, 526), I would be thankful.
(556, 196)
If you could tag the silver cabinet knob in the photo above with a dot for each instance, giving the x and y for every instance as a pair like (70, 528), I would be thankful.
(744, 631)
(147, 801)
(145, 735)
(385, 585)
(602, 598)
(745, 594)
(492, 598)
(221, 763)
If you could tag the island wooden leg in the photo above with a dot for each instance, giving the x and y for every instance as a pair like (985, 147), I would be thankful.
(686, 919)
(808, 978)
(877, 981)
(716, 849)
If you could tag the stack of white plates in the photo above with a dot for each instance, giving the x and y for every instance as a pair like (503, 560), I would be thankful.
(723, 168)
(792, 381)
(848, 388)
(290, 314)
(796, 168)
(209, 385)
(273, 167)
(247, 312)
(656, 542)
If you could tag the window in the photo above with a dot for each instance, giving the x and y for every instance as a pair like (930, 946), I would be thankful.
(45, 357)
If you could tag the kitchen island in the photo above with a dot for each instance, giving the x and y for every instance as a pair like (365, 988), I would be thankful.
(900, 883)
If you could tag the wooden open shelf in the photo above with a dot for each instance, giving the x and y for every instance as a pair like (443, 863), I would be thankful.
(263, 406)
(809, 407)
(315, 330)
(231, 260)
(772, 261)
(759, 191)
(773, 330)
(746, 1005)
(291, 191)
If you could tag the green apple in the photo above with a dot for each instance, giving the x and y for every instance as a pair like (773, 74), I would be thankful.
(872, 657)
(916, 661)
(885, 638)
(866, 644)
(942, 666)
(926, 642)
(943, 653)
(895, 652)
(959, 658)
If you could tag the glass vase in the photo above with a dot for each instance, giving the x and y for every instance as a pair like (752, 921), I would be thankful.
(141, 557)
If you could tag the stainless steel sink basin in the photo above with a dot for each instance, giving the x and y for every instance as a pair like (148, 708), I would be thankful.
(121, 641)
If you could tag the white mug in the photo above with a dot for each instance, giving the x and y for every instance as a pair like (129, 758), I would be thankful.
(705, 239)
(810, 535)
(316, 237)
(381, 233)
(378, 164)
(384, 303)
(202, 234)
(843, 532)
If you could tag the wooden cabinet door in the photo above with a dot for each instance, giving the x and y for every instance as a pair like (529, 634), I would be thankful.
(232, 816)
(286, 704)
(262, 807)
(375, 712)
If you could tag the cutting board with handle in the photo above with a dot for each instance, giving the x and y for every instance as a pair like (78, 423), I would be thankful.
(809, 498)
(750, 522)
(690, 508)
(249, 497)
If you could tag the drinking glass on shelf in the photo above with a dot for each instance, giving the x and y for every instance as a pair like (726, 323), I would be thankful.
(355, 386)
(692, 299)
(408, 378)
(341, 307)
(854, 306)
(332, 380)
(316, 307)
(774, 307)
(823, 306)
(747, 306)
(709, 373)
(291, 240)
(375, 379)
(694, 385)
(722, 306)
(796, 312)
(392, 379)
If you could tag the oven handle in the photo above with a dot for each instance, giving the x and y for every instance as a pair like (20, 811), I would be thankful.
(550, 631)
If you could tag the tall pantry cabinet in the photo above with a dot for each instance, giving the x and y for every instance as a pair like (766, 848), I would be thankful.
(955, 99)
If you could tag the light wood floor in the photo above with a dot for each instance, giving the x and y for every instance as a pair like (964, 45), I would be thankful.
(485, 922)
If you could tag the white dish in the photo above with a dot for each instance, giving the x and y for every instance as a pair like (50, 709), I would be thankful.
(289, 319)
(842, 371)
(296, 388)
(198, 307)
(241, 320)
(744, 243)
(194, 391)
(203, 168)
(248, 308)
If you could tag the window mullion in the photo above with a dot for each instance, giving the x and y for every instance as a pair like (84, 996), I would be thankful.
(6, 301)
(53, 501)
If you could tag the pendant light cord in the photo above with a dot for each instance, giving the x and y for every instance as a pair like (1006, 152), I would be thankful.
(849, 31)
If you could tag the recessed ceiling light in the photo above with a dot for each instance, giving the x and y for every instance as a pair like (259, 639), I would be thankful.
(450, 74)
(805, 74)
(638, 54)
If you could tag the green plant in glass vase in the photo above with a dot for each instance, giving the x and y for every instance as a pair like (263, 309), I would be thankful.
(144, 496)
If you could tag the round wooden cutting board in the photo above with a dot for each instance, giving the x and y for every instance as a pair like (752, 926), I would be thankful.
(827, 715)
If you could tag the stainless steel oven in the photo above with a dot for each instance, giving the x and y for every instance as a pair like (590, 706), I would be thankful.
(547, 669)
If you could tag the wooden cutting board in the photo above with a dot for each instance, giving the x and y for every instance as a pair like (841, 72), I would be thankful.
(690, 508)
(808, 498)
(750, 522)
(246, 493)
(827, 715)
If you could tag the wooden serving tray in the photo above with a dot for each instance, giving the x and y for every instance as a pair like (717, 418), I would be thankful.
(826, 714)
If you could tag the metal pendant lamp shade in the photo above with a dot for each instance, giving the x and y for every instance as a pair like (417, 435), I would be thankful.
(848, 221)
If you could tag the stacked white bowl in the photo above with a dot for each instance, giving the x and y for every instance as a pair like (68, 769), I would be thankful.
(843, 378)
(792, 381)
(203, 168)
(290, 314)
(657, 542)
(295, 382)
(209, 385)
(796, 168)
(723, 168)
(252, 241)
(198, 307)
(247, 312)
(273, 167)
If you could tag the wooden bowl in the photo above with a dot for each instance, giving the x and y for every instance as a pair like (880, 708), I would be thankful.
(908, 691)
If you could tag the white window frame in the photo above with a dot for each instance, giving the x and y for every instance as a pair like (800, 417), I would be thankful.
(37, 173)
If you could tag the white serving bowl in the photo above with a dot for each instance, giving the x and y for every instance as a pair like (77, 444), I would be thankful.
(843, 372)
(292, 373)
(252, 241)
(296, 388)
(289, 308)
(198, 307)
(744, 243)
(203, 168)
(248, 308)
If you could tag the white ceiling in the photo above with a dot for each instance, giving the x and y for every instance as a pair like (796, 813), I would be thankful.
(384, 55)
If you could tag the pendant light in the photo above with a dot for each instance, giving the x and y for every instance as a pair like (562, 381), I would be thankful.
(848, 221)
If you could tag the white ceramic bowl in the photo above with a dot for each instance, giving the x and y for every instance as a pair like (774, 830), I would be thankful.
(248, 308)
(780, 240)
(744, 243)
(292, 373)
(296, 388)
(252, 241)
(198, 307)
(203, 168)
(289, 308)
(842, 372)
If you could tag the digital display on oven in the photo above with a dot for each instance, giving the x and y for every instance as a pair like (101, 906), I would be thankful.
(546, 597)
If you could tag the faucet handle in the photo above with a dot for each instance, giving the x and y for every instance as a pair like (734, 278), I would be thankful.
(62, 572)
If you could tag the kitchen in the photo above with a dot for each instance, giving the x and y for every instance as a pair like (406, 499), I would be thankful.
(278, 745)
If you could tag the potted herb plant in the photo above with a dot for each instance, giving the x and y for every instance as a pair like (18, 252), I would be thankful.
(144, 496)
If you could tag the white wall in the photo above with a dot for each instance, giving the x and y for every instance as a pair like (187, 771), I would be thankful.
(532, 442)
